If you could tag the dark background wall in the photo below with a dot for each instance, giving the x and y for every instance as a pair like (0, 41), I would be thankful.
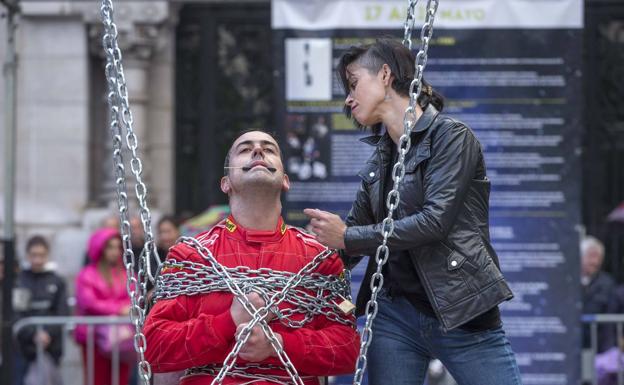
(603, 136)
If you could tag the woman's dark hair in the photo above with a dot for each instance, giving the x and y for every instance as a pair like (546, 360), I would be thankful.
(401, 62)
(37, 240)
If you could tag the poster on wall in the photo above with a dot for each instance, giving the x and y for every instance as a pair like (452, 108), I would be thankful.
(509, 69)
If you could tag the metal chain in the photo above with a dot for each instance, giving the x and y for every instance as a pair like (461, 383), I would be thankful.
(317, 294)
(249, 371)
(259, 315)
(409, 23)
(119, 108)
(398, 172)
(136, 165)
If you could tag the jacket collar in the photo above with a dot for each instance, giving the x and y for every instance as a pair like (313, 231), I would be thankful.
(254, 236)
(422, 124)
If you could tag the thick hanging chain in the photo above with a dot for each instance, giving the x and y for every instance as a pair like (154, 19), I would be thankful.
(259, 315)
(409, 23)
(119, 108)
(398, 172)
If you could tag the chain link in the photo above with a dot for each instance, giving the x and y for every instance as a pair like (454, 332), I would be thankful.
(398, 172)
(120, 118)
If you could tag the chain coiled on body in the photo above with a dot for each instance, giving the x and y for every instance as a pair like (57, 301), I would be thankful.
(316, 294)
(249, 371)
(259, 316)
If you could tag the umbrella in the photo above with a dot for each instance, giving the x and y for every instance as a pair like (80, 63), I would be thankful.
(204, 221)
(617, 215)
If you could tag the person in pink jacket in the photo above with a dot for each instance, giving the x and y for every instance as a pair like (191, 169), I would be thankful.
(101, 290)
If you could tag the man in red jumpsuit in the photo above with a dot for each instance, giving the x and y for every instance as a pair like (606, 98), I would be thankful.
(191, 332)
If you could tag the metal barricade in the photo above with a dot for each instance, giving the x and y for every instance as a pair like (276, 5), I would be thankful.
(69, 323)
(593, 320)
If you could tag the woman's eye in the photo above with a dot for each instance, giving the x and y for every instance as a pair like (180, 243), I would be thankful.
(272, 151)
(244, 150)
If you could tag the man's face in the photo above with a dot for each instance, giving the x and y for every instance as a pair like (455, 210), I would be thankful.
(168, 233)
(591, 261)
(37, 257)
(255, 162)
(136, 230)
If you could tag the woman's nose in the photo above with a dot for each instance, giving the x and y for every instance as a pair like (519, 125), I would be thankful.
(349, 100)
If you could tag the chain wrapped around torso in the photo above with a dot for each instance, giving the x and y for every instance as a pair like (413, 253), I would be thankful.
(316, 294)
(295, 299)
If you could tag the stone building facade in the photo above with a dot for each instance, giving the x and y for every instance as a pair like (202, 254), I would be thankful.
(64, 185)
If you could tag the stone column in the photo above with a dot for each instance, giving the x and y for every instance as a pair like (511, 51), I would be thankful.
(161, 118)
(144, 30)
(54, 109)
(52, 119)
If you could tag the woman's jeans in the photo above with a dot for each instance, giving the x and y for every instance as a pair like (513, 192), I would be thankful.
(405, 340)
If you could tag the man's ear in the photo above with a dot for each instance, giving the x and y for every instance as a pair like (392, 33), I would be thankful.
(225, 185)
(285, 183)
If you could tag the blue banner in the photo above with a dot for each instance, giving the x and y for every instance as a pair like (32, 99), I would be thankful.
(509, 69)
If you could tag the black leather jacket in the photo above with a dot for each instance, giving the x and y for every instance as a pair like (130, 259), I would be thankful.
(442, 219)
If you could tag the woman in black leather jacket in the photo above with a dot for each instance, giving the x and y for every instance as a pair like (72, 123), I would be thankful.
(442, 283)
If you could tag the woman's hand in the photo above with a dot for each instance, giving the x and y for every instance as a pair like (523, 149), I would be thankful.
(329, 228)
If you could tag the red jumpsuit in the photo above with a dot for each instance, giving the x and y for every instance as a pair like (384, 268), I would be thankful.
(197, 330)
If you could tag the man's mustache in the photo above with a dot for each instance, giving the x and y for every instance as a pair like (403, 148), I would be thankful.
(247, 168)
